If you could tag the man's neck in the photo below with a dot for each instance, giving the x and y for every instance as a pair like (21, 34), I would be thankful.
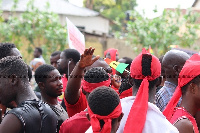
(48, 99)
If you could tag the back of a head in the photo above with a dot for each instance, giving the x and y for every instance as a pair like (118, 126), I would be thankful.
(174, 57)
(41, 73)
(5, 49)
(14, 65)
(96, 75)
(145, 65)
(128, 61)
(72, 53)
(103, 100)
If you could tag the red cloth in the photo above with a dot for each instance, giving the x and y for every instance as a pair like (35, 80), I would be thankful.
(94, 120)
(181, 113)
(64, 81)
(81, 105)
(89, 87)
(112, 52)
(137, 116)
(76, 124)
(126, 93)
(189, 71)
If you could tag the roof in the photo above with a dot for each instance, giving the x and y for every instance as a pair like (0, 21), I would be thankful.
(56, 6)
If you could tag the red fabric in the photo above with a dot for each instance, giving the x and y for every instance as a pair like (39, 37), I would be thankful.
(180, 113)
(76, 124)
(94, 120)
(89, 87)
(189, 71)
(137, 116)
(112, 52)
(81, 105)
(126, 93)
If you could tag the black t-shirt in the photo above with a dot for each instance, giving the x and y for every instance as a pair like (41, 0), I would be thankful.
(36, 117)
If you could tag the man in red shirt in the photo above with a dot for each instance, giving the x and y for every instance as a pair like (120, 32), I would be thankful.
(93, 78)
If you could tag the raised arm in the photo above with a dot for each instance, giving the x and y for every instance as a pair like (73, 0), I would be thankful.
(72, 91)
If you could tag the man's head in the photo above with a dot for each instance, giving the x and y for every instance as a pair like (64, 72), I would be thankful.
(49, 80)
(14, 78)
(55, 56)
(112, 54)
(125, 60)
(68, 60)
(93, 78)
(172, 63)
(37, 52)
(8, 49)
(104, 101)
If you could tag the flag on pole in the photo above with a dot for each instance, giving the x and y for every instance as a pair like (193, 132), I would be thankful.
(120, 67)
(150, 50)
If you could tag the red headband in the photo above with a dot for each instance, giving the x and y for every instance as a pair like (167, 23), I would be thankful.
(137, 116)
(190, 70)
(94, 120)
(89, 87)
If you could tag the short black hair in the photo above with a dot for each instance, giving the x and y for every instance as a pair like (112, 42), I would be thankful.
(194, 80)
(103, 100)
(5, 49)
(128, 61)
(72, 53)
(146, 71)
(13, 65)
(41, 73)
(56, 53)
(96, 75)
(39, 50)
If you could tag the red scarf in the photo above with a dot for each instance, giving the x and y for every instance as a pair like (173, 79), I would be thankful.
(94, 120)
(112, 52)
(190, 70)
(137, 116)
(89, 87)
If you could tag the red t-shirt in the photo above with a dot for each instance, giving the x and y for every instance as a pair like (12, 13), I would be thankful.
(181, 113)
(79, 106)
(76, 124)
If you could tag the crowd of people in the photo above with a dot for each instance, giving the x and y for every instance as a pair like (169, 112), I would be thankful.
(81, 93)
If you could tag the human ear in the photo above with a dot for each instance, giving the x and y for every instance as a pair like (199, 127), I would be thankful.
(41, 85)
(88, 116)
(159, 81)
(13, 79)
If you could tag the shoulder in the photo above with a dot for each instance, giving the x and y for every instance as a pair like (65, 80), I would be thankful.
(10, 119)
(184, 126)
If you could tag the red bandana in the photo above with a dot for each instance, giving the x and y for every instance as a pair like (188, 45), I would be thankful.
(94, 120)
(89, 87)
(190, 70)
(137, 116)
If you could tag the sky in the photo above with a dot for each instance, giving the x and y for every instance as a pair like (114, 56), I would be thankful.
(147, 6)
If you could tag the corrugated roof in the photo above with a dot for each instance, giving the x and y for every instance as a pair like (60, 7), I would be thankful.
(56, 6)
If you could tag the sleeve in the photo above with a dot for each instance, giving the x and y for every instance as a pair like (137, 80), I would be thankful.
(81, 105)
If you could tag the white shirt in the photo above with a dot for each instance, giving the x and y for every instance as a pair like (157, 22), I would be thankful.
(156, 122)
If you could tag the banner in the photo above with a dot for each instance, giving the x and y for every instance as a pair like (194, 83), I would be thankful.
(76, 39)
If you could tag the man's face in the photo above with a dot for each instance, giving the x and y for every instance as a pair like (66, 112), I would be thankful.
(36, 53)
(53, 85)
(109, 56)
(63, 64)
(54, 60)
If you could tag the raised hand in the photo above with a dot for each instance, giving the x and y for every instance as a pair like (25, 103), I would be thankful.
(86, 58)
